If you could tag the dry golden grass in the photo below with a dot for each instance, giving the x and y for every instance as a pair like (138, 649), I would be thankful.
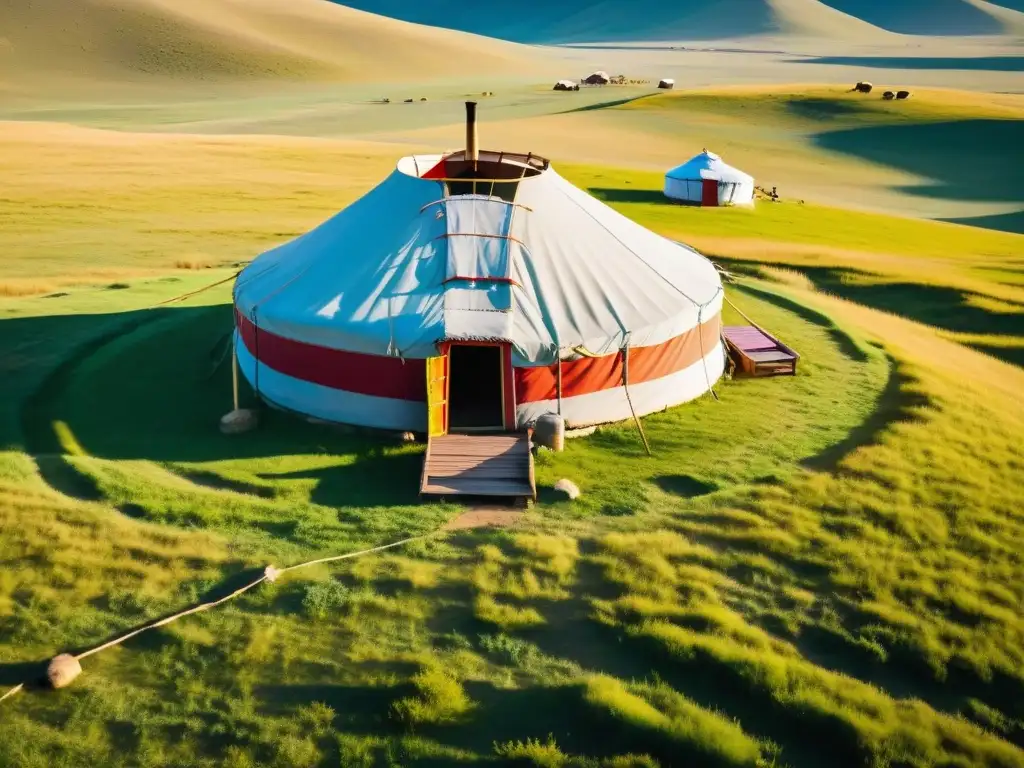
(88, 206)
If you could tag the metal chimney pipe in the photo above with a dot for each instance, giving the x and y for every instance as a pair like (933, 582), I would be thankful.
(472, 147)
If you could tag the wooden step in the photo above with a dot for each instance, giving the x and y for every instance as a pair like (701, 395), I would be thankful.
(479, 465)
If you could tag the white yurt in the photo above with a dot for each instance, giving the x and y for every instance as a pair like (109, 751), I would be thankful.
(708, 180)
(510, 290)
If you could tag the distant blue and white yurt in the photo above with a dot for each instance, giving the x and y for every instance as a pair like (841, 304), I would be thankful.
(478, 290)
(708, 180)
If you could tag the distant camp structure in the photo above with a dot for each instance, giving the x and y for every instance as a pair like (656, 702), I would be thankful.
(566, 85)
(597, 78)
(667, 83)
(478, 290)
(709, 181)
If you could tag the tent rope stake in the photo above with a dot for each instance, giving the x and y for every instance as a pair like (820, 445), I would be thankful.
(270, 573)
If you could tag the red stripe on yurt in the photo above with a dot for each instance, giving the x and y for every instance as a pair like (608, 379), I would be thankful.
(374, 375)
(594, 374)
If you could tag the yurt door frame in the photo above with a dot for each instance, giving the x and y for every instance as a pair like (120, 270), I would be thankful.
(440, 373)
(709, 192)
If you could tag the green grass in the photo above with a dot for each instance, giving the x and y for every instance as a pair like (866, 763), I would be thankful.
(716, 555)
(964, 280)
(821, 565)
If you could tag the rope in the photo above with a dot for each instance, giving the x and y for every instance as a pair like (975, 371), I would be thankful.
(742, 314)
(16, 689)
(703, 357)
(625, 386)
(190, 294)
(270, 573)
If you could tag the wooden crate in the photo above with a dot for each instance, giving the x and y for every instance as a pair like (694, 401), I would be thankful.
(755, 352)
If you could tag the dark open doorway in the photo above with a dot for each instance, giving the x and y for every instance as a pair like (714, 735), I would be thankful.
(474, 388)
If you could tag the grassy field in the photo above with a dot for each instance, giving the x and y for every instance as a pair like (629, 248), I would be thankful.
(942, 154)
(824, 570)
(721, 601)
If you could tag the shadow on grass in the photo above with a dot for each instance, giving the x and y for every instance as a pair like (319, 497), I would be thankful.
(839, 337)
(358, 708)
(1011, 355)
(962, 159)
(61, 475)
(946, 308)
(504, 715)
(221, 483)
(31, 673)
(896, 403)
(1000, 222)
(378, 477)
(684, 486)
(619, 195)
(606, 104)
(807, 739)
(147, 385)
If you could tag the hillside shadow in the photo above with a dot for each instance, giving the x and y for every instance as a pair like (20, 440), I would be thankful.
(847, 346)
(946, 308)
(1011, 355)
(605, 104)
(960, 160)
(936, 17)
(822, 109)
(896, 403)
(61, 475)
(950, 63)
(1000, 222)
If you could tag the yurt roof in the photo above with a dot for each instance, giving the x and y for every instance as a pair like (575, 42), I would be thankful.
(518, 255)
(708, 165)
(570, 83)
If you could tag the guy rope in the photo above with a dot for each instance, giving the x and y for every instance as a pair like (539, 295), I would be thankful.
(65, 668)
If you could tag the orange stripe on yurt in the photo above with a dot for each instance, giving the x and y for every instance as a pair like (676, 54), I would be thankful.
(392, 377)
(593, 374)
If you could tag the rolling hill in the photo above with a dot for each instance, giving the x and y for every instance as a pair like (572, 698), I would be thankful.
(574, 21)
(119, 40)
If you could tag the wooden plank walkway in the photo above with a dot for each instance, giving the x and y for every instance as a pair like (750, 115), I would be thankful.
(479, 465)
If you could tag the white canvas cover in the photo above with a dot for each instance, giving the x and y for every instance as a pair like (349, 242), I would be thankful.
(686, 182)
(403, 268)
